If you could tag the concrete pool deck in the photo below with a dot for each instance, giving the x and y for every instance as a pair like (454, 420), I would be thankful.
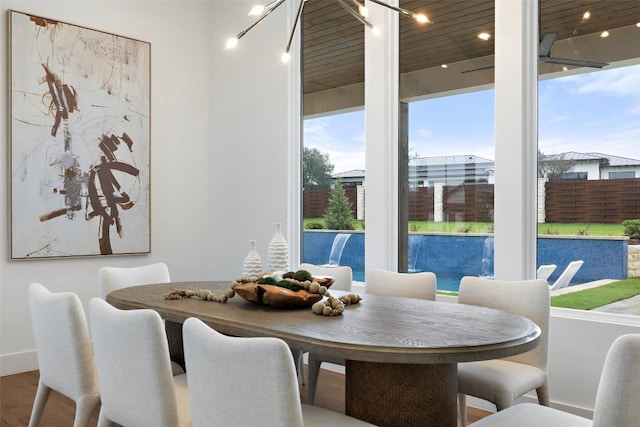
(630, 306)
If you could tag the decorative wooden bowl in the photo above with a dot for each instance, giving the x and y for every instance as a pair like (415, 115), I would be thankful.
(277, 296)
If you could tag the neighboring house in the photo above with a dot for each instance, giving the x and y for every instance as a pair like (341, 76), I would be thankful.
(352, 178)
(449, 170)
(463, 169)
(590, 166)
(427, 171)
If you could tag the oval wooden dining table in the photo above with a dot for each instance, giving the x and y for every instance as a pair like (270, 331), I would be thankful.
(401, 354)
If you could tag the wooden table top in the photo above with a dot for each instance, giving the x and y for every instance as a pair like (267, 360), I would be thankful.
(378, 329)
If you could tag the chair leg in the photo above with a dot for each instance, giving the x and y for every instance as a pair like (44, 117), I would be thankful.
(300, 368)
(40, 401)
(462, 409)
(298, 361)
(103, 421)
(85, 406)
(312, 376)
(543, 394)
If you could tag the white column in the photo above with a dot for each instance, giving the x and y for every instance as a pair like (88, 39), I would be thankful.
(438, 202)
(381, 128)
(293, 230)
(360, 197)
(516, 58)
(542, 200)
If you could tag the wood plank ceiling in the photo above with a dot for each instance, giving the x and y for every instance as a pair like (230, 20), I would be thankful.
(333, 46)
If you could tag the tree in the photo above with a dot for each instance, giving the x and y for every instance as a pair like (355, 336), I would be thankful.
(338, 215)
(316, 169)
(553, 166)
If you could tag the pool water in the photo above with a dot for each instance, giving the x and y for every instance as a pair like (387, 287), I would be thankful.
(444, 283)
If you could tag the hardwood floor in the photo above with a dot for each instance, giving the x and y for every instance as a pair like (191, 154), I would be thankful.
(17, 393)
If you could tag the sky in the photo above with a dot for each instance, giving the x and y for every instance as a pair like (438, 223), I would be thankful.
(590, 112)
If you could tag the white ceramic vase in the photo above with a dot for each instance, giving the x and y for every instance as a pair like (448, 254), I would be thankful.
(252, 266)
(278, 251)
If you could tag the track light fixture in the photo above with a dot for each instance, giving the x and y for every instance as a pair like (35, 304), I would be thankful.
(360, 13)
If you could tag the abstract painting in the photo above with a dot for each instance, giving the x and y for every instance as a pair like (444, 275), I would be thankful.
(79, 140)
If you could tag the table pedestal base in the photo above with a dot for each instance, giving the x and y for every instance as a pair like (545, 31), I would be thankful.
(174, 338)
(387, 394)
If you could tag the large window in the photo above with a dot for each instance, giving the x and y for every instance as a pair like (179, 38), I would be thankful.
(333, 163)
(446, 203)
(589, 124)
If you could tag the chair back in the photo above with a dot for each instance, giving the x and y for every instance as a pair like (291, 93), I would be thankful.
(528, 298)
(409, 285)
(342, 274)
(113, 278)
(241, 382)
(133, 364)
(65, 356)
(619, 388)
(566, 276)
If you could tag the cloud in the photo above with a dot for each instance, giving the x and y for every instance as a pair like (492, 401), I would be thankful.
(615, 82)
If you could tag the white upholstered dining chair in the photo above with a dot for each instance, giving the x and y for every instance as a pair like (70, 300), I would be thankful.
(616, 400)
(137, 386)
(342, 274)
(380, 282)
(421, 285)
(65, 356)
(113, 278)
(502, 381)
(247, 382)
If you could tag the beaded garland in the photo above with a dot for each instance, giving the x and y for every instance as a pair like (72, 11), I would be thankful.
(331, 306)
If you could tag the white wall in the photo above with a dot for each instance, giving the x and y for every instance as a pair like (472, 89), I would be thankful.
(221, 129)
(251, 122)
(181, 147)
(578, 344)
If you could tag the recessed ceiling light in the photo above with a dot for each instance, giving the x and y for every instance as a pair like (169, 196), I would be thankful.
(604, 34)
(586, 15)
(638, 25)
(444, 66)
(484, 36)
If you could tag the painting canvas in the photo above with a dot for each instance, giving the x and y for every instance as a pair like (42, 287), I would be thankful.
(80, 140)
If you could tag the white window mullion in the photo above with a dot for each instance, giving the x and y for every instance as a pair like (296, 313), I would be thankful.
(381, 130)
(516, 59)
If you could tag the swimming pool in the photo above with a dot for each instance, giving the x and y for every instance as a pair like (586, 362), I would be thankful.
(444, 282)
(452, 256)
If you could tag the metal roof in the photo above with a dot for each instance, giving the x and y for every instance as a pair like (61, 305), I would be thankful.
(356, 173)
(449, 160)
(609, 159)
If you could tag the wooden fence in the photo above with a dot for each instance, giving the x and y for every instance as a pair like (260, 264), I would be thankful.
(468, 203)
(314, 202)
(421, 204)
(595, 201)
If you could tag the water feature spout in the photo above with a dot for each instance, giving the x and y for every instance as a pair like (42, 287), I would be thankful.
(415, 244)
(487, 258)
(336, 249)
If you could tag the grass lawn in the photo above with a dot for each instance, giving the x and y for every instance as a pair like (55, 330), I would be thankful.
(549, 229)
(599, 296)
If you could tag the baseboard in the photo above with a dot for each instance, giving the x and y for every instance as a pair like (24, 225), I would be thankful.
(483, 405)
(16, 363)
(577, 410)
